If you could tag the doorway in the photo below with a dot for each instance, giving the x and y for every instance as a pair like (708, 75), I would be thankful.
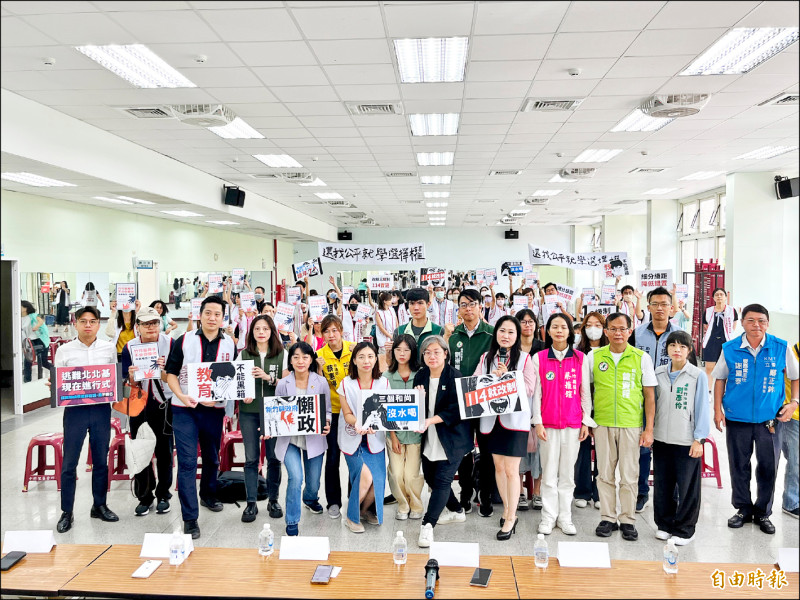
(10, 339)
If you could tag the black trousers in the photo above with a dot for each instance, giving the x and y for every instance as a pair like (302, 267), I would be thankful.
(333, 484)
(439, 474)
(741, 437)
(96, 419)
(147, 486)
(672, 466)
(585, 476)
(487, 483)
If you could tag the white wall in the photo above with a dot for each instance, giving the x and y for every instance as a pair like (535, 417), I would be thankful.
(761, 249)
(627, 233)
(662, 235)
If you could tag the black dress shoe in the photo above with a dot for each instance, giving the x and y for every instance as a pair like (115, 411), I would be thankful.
(739, 519)
(65, 522)
(250, 512)
(506, 535)
(765, 525)
(274, 509)
(211, 504)
(104, 513)
(192, 527)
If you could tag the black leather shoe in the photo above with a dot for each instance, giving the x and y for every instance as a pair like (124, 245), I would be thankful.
(65, 522)
(605, 528)
(274, 509)
(192, 527)
(765, 525)
(629, 532)
(250, 512)
(104, 513)
(506, 535)
(211, 504)
(739, 519)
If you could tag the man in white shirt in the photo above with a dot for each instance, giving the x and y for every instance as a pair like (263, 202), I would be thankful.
(86, 350)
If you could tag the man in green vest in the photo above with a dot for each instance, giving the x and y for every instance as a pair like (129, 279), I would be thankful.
(624, 381)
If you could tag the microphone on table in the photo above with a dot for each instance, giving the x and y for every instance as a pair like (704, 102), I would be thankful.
(431, 575)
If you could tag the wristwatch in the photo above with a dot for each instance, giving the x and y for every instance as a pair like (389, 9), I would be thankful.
(701, 441)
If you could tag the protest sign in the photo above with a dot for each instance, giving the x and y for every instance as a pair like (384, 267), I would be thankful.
(85, 385)
(391, 410)
(221, 381)
(369, 254)
(145, 359)
(307, 268)
(486, 395)
(293, 415)
(126, 296)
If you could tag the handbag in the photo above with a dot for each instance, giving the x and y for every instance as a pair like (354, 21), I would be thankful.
(139, 450)
(133, 402)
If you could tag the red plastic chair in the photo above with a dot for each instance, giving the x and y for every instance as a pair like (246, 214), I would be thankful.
(40, 473)
(711, 470)
(116, 460)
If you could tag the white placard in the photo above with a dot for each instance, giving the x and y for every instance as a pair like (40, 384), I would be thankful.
(248, 301)
(145, 358)
(372, 254)
(237, 275)
(490, 276)
(584, 554)
(156, 545)
(382, 282)
(284, 317)
(682, 291)
(566, 293)
(611, 263)
(649, 280)
(214, 283)
(455, 554)
(607, 293)
(196, 303)
(519, 303)
(362, 312)
(299, 547)
(39, 541)
(347, 292)
(308, 268)
(126, 296)
(532, 280)
(317, 307)
(293, 295)
(788, 559)
(589, 295)
(221, 381)
(390, 410)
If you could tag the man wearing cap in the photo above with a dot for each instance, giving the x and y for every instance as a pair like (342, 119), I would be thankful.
(157, 413)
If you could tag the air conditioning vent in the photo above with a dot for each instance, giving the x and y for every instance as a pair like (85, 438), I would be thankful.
(781, 100)
(203, 115)
(296, 176)
(486, 201)
(648, 170)
(628, 202)
(549, 104)
(356, 215)
(400, 174)
(265, 175)
(410, 201)
(510, 220)
(537, 201)
(514, 214)
(147, 112)
(354, 108)
(578, 172)
(505, 172)
(674, 106)
(340, 204)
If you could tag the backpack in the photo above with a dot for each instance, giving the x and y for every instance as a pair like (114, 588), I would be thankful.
(231, 489)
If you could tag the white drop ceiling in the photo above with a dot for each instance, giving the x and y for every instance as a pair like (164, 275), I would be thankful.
(288, 68)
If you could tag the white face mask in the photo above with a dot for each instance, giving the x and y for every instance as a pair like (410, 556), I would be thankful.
(500, 303)
(453, 297)
(439, 295)
(594, 333)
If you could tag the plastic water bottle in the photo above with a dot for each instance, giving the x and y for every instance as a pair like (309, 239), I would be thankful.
(541, 555)
(670, 557)
(266, 540)
(176, 548)
(400, 549)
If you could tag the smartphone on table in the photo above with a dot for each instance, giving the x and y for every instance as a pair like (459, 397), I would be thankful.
(322, 574)
(12, 558)
(481, 577)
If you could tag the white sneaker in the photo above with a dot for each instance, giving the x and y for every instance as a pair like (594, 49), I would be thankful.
(662, 535)
(581, 503)
(451, 517)
(425, 536)
(401, 516)
(567, 527)
(597, 504)
(415, 515)
(546, 527)
(679, 541)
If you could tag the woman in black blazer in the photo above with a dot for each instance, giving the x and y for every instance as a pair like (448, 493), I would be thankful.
(447, 438)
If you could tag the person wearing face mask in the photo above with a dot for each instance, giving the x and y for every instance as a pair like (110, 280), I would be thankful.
(629, 305)
(442, 310)
(593, 335)
(353, 327)
(399, 307)
(260, 299)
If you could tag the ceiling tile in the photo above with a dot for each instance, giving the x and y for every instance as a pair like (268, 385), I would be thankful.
(317, 108)
(700, 13)
(570, 88)
(429, 20)
(625, 87)
(510, 70)
(664, 42)
(81, 28)
(590, 68)
(213, 77)
(351, 52)
(519, 17)
(509, 47)
(590, 45)
(306, 93)
(291, 76)
(243, 95)
(512, 89)
(609, 16)
(771, 14)
(432, 91)
(493, 105)
(259, 109)
(358, 74)
(252, 25)
(651, 66)
(340, 23)
(698, 84)
(54, 7)
(278, 54)
(172, 26)
(368, 93)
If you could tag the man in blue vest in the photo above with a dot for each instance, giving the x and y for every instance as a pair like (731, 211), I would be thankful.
(748, 401)
(652, 338)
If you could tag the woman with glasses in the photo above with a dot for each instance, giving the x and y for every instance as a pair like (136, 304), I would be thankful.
(562, 406)
(446, 438)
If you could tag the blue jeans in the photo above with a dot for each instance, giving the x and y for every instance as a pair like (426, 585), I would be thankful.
(376, 463)
(250, 424)
(294, 468)
(791, 451)
(190, 425)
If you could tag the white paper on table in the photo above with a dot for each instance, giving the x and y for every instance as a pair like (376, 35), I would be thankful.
(39, 541)
(788, 559)
(156, 545)
(584, 554)
(336, 571)
(298, 547)
(455, 554)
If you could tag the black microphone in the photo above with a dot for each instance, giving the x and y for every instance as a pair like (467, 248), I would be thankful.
(502, 356)
(431, 575)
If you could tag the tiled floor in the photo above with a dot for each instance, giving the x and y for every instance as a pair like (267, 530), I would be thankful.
(39, 509)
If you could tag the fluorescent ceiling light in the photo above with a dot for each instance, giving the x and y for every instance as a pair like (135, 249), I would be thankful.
(181, 213)
(277, 161)
(659, 191)
(136, 64)
(112, 200)
(434, 124)
(638, 121)
(437, 224)
(436, 204)
(766, 152)
(35, 180)
(546, 193)
(434, 159)
(701, 175)
(437, 218)
(329, 196)
(236, 130)
(435, 179)
(437, 212)
(597, 155)
(436, 194)
(520, 211)
(316, 183)
(559, 179)
(222, 222)
(741, 50)
(135, 200)
(431, 60)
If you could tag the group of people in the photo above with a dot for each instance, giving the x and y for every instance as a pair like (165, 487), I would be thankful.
(626, 384)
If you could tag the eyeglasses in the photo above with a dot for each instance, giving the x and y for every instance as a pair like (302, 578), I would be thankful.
(149, 324)
(614, 330)
(761, 322)
(527, 322)
(91, 323)
(433, 353)
(660, 304)
(472, 304)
